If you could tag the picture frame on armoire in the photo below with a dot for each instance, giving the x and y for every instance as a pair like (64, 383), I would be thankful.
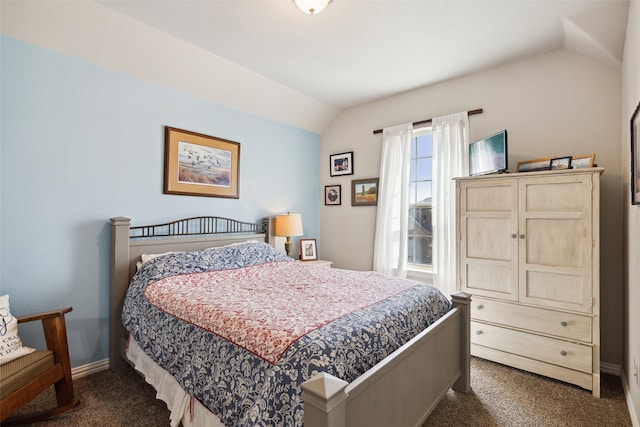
(586, 161)
(635, 157)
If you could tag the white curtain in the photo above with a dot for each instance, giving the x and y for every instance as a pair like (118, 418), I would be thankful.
(390, 246)
(450, 159)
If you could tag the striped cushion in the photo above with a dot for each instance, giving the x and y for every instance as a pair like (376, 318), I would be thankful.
(19, 372)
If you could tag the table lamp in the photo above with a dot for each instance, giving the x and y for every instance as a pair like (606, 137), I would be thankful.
(288, 225)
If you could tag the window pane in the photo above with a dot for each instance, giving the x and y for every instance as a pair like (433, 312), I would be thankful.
(423, 190)
(425, 145)
(413, 147)
(411, 226)
(423, 169)
(422, 248)
(420, 239)
(412, 193)
(413, 170)
(410, 251)
(421, 221)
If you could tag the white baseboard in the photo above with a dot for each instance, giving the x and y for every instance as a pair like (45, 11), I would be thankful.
(635, 420)
(610, 368)
(91, 368)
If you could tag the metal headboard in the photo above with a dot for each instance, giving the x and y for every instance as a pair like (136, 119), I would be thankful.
(201, 225)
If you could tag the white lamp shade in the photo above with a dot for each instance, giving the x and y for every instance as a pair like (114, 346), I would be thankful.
(312, 6)
(288, 225)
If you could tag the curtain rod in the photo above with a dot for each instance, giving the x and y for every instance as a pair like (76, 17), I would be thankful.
(424, 122)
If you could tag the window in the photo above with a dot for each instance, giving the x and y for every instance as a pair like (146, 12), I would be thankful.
(420, 235)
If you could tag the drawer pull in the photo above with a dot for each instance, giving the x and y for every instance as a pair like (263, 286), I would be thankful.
(563, 353)
(513, 236)
(480, 307)
(522, 236)
(479, 332)
(563, 323)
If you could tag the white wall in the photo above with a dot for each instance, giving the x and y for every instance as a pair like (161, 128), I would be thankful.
(630, 99)
(555, 104)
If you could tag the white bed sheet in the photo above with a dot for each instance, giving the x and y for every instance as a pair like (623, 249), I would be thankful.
(183, 409)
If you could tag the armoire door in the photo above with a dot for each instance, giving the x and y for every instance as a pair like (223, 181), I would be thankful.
(556, 242)
(488, 227)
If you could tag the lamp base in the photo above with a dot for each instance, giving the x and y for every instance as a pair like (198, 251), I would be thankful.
(287, 246)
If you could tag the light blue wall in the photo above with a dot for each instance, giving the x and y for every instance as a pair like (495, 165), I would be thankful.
(81, 144)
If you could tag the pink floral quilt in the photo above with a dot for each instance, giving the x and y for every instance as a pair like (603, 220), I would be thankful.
(267, 307)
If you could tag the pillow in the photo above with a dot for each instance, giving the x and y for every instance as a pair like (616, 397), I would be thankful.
(148, 257)
(10, 344)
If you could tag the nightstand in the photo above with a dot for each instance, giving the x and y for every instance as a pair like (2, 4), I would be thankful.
(319, 262)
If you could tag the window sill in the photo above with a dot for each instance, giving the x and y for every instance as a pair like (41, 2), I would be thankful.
(423, 274)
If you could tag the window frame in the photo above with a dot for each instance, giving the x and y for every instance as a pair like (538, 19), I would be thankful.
(423, 272)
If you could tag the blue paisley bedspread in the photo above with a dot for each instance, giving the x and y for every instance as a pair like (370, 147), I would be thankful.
(236, 384)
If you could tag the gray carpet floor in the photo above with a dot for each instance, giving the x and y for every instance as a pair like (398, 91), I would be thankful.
(500, 396)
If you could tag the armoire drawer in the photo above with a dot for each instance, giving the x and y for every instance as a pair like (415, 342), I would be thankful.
(538, 347)
(550, 322)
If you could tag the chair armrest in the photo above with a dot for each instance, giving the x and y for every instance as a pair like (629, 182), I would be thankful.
(55, 334)
(44, 315)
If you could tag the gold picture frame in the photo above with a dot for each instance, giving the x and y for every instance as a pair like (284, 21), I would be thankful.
(586, 161)
(200, 165)
(541, 164)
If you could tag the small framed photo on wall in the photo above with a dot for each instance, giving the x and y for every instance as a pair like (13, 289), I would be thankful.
(341, 164)
(332, 195)
(364, 192)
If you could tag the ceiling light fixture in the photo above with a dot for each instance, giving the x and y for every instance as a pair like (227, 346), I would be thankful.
(312, 7)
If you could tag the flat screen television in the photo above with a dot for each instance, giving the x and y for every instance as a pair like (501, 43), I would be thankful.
(488, 155)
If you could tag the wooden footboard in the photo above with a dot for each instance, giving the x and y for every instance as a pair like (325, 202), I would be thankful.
(404, 388)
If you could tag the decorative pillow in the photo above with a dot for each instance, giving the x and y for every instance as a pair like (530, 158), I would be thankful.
(148, 257)
(10, 344)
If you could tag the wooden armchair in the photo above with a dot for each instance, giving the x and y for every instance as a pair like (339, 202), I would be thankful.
(22, 379)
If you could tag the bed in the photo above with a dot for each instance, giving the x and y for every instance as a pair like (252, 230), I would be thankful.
(210, 371)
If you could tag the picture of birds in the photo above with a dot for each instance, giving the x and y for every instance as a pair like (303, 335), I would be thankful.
(203, 165)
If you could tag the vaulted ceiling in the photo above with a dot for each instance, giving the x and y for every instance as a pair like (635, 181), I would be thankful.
(357, 51)
(268, 58)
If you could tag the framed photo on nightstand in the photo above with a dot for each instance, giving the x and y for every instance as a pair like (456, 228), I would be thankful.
(308, 250)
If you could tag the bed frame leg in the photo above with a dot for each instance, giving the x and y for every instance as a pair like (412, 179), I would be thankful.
(462, 301)
(324, 399)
